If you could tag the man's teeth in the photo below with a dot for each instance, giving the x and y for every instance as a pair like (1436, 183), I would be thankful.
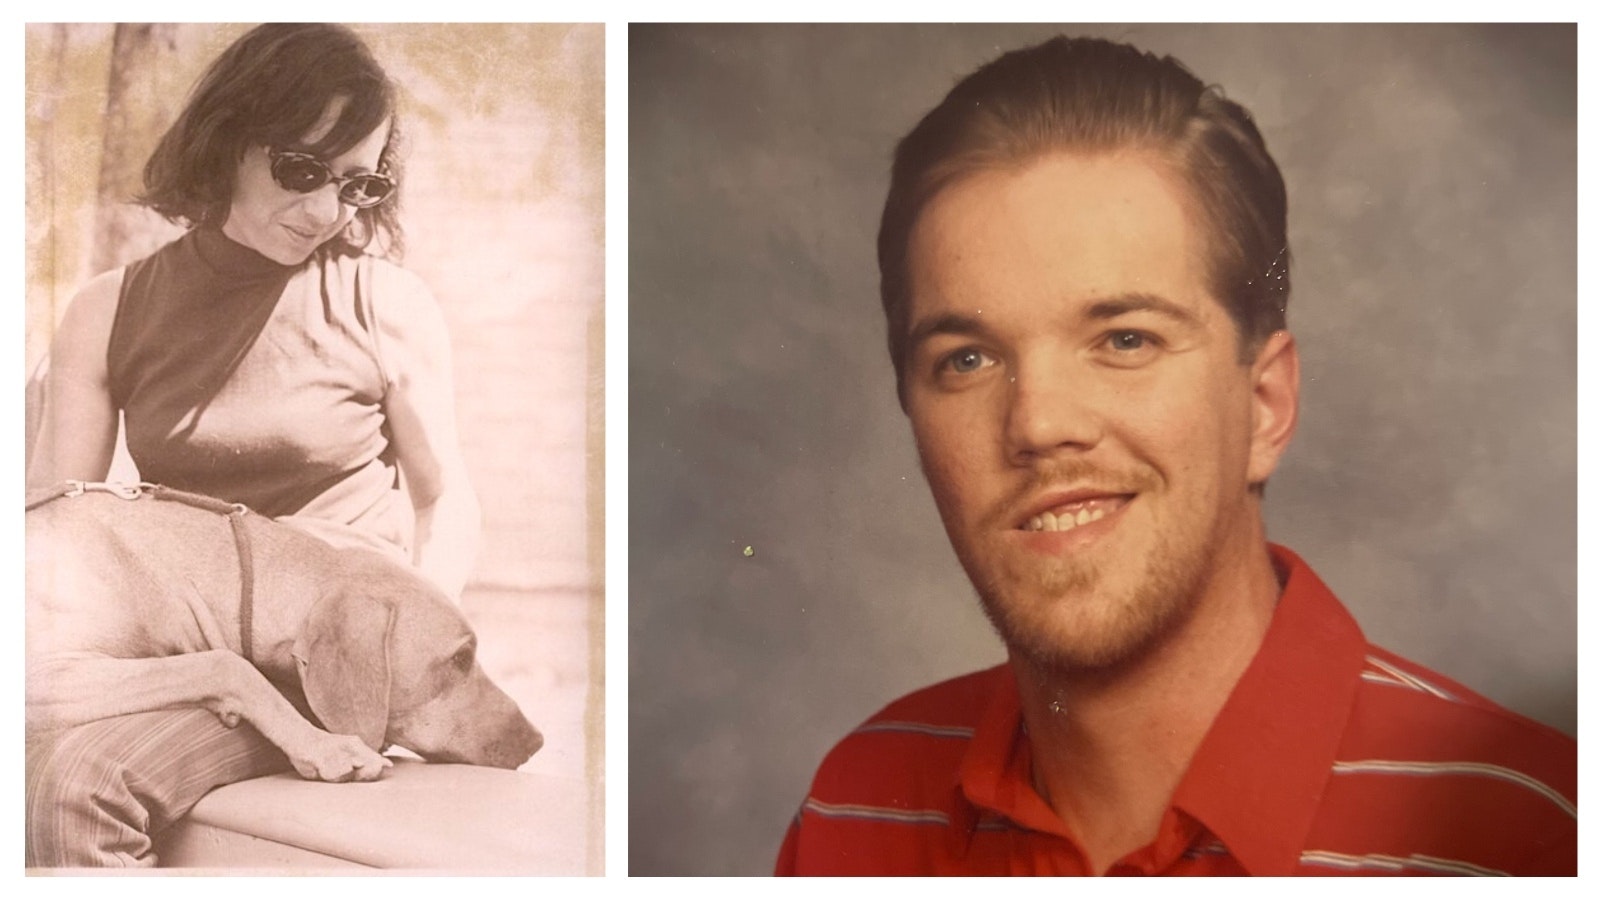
(1066, 521)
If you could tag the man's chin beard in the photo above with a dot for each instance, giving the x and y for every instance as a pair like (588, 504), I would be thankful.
(1103, 635)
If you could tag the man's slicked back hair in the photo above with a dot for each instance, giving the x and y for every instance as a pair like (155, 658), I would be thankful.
(1086, 95)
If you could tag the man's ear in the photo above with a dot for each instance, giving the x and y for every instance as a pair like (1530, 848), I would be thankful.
(342, 654)
(1274, 403)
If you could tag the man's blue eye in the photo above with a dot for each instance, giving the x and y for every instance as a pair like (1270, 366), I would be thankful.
(966, 361)
(1127, 340)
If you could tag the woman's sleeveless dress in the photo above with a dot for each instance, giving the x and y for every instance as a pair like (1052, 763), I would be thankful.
(259, 383)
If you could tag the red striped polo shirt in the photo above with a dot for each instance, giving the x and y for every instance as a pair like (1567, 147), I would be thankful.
(1330, 757)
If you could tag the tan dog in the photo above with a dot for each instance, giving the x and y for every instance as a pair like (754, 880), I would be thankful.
(134, 605)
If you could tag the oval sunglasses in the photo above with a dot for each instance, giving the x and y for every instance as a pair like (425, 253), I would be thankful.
(304, 173)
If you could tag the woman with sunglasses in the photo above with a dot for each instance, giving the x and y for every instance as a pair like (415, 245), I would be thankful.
(270, 356)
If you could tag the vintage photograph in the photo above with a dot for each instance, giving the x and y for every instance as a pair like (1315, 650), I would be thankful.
(315, 448)
(1087, 449)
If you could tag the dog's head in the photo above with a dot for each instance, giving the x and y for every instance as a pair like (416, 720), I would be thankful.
(391, 660)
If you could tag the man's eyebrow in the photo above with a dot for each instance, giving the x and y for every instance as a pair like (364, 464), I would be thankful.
(946, 323)
(964, 325)
(1122, 304)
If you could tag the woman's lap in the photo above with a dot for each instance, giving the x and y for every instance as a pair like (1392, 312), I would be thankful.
(96, 792)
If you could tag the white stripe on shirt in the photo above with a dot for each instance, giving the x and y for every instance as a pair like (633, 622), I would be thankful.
(1409, 679)
(1388, 863)
(950, 731)
(1487, 770)
(876, 813)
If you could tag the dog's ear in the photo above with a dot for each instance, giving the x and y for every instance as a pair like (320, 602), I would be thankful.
(343, 657)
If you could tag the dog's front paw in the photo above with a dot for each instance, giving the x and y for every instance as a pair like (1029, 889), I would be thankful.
(338, 757)
(227, 708)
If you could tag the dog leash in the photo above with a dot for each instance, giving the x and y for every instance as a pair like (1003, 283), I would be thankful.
(235, 513)
(40, 497)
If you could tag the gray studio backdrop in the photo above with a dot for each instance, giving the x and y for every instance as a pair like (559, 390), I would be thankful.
(1432, 483)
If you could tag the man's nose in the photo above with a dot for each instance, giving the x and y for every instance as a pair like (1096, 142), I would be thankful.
(1051, 409)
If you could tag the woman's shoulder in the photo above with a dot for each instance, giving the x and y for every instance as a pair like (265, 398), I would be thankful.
(102, 288)
(398, 283)
(401, 299)
(94, 308)
(381, 294)
(388, 283)
(407, 323)
(94, 305)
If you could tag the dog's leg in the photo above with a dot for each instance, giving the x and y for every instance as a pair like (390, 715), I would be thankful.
(73, 690)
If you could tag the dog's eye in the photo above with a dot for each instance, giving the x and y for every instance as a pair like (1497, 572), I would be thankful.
(463, 659)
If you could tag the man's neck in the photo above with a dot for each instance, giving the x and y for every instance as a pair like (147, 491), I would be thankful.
(1110, 747)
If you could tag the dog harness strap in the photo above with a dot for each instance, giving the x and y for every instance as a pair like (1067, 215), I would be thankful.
(241, 539)
(234, 511)
(199, 501)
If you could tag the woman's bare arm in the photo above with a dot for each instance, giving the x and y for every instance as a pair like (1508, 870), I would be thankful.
(78, 429)
(422, 421)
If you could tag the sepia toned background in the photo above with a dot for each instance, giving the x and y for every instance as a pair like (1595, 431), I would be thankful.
(503, 213)
(1432, 482)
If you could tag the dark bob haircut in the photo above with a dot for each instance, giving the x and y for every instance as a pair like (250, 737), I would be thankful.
(1090, 96)
(269, 88)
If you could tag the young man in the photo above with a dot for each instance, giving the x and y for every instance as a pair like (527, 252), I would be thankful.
(1085, 272)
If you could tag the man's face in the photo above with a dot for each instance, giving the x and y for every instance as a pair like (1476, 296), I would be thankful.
(1078, 403)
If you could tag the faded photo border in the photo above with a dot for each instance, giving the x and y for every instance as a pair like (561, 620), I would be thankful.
(504, 214)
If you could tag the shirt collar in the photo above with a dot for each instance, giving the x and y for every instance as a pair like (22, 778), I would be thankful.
(1257, 777)
(1259, 773)
(995, 771)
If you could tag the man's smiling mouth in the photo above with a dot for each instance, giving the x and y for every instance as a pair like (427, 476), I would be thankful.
(1068, 516)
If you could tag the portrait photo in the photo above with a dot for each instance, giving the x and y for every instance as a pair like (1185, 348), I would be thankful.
(790, 572)
(343, 288)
